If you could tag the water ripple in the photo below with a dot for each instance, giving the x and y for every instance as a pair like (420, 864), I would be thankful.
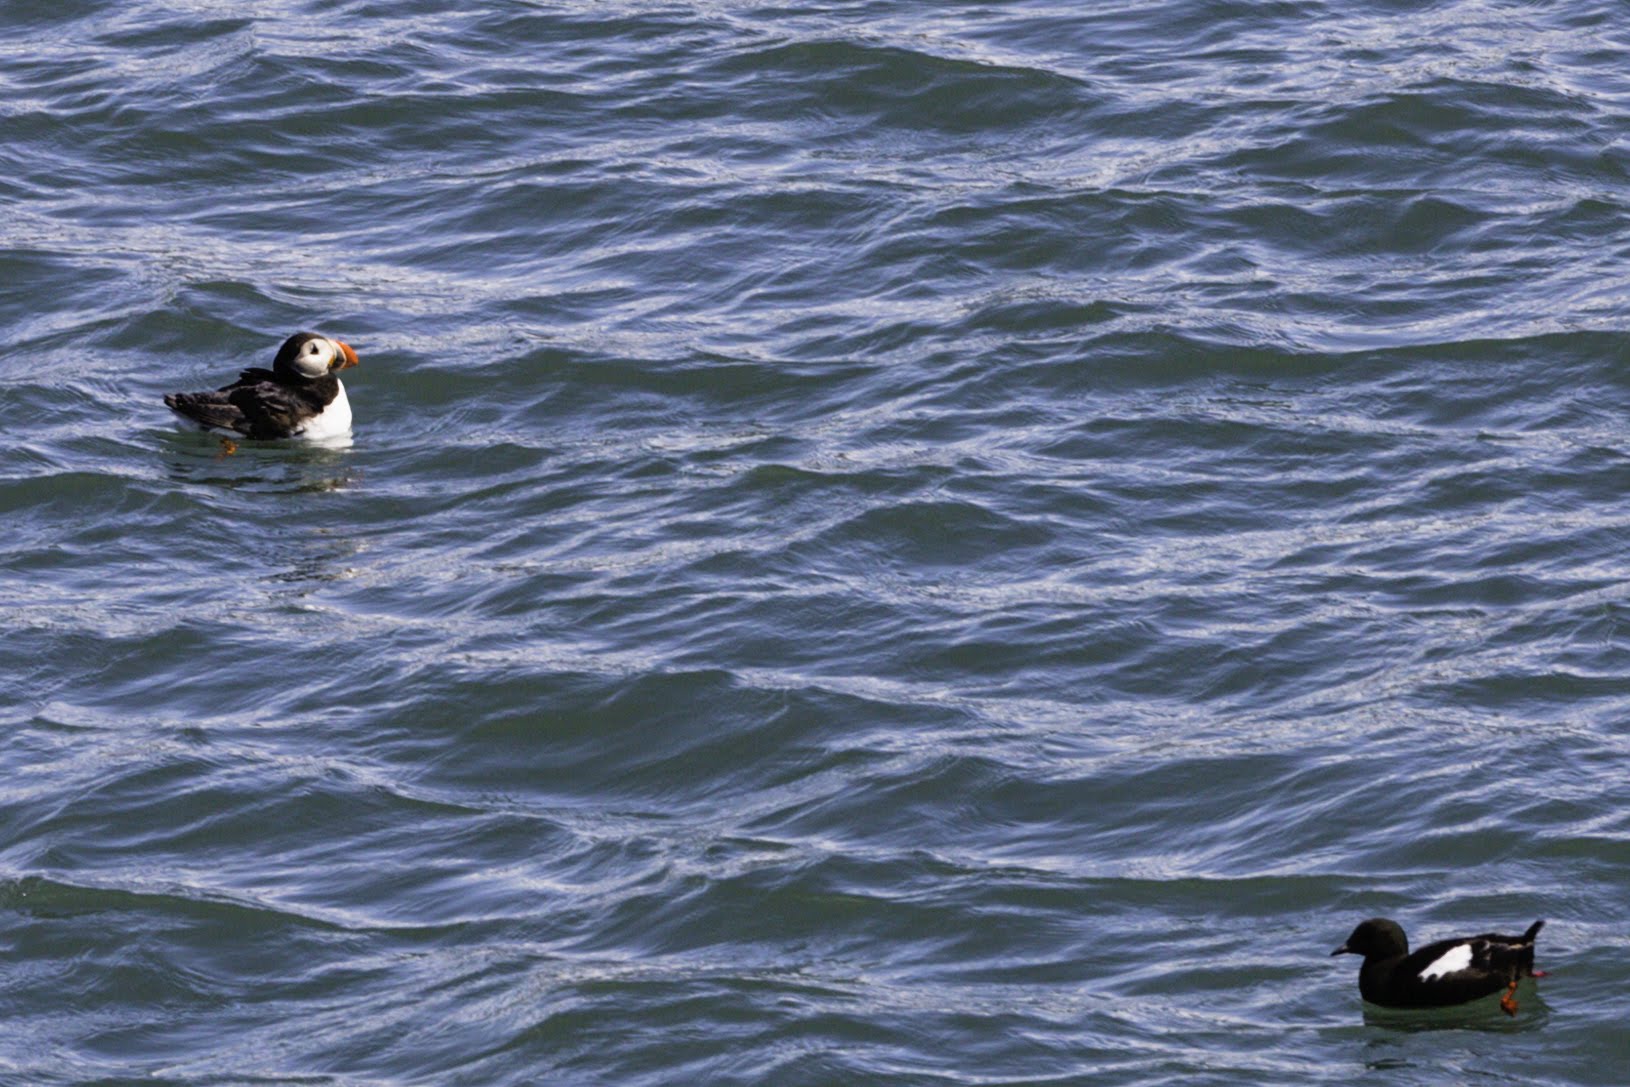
(890, 543)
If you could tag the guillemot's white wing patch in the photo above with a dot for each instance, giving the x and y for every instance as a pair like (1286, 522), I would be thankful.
(1452, 961)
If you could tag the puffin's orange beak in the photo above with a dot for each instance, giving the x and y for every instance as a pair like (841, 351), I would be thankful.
(350, 358)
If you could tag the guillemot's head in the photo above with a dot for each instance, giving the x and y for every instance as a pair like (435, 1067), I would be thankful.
(1376, 938)
(307, 356)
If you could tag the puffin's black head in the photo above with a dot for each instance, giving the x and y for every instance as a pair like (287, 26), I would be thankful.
(1376, 938)
(306, 356)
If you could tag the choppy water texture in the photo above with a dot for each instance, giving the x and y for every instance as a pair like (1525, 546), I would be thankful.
(885, 543)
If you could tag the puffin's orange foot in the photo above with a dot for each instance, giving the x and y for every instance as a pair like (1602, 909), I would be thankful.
(1508, 1003)
(228, 447)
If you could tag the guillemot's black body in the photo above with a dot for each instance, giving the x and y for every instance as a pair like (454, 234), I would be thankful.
(300, 396)
(1440, 974)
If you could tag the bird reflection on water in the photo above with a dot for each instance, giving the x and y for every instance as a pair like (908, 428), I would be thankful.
(271, 467)
(1481, 1015)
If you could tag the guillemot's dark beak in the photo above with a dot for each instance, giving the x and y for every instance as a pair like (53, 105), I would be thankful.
(347, 357)
(1342, 950)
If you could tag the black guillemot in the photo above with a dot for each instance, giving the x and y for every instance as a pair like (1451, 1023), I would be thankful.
(1440, 974)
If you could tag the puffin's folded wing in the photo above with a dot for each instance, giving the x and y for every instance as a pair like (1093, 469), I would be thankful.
(209, 410)
(270, 409)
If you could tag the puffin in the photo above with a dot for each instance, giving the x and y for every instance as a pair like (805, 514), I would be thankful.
(301, 396)
(1440, 974)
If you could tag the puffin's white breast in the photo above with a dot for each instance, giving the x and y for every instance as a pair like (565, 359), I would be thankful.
(333, 421)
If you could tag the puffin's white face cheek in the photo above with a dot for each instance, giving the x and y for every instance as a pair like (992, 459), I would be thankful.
(315, 357)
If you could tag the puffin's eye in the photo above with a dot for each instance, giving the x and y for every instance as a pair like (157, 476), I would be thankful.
(313, 349)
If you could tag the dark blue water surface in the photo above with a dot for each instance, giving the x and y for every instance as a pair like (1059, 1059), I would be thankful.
(884, 543)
